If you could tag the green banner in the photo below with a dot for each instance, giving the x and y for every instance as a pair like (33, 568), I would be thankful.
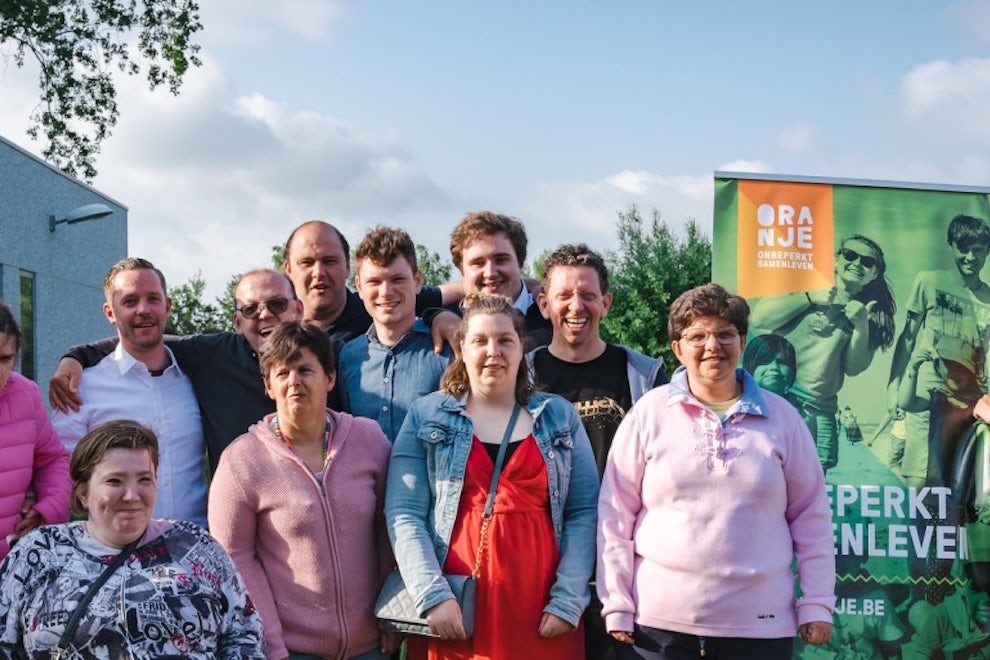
(871, 314)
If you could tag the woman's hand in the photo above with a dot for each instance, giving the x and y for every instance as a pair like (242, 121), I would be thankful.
(817, 632)
(552, 626)
(445, 620)
(622, 636)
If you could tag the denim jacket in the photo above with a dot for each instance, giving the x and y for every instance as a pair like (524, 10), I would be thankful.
(426, 476)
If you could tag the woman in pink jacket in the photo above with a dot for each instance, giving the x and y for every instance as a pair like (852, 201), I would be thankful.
(31, 455)
(712, 490)
(298, 502)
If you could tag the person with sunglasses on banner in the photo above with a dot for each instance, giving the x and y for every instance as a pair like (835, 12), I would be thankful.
(222, 367)
(121, 584)
(534, 554)
(835, 333)
(298, 502)
(712, 492)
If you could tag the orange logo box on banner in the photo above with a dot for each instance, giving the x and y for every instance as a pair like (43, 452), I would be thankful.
(786, 242)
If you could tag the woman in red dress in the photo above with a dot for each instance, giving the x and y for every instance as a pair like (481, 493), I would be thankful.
(537, 552)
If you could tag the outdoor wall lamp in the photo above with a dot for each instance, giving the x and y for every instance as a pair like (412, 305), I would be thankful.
(81, 214)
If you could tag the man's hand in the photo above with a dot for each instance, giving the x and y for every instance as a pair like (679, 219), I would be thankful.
(622, 636)
(63, 386)
(552, 626)
(444, 330)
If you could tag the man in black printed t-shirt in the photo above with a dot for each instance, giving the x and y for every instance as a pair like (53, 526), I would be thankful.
(602, 380)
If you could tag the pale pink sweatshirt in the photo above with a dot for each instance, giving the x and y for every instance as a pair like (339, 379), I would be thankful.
(699, 519)
(313, 563)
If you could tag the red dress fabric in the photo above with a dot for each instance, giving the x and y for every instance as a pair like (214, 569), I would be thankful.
(518, 568)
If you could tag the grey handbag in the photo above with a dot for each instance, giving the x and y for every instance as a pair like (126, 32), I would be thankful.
(395, 609)
(396, 612)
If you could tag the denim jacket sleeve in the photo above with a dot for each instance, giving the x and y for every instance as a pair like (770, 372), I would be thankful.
(408, 504)
(578, 484)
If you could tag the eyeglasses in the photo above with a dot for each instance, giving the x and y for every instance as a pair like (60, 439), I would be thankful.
(698, 338)
(852, 255)
(276, 306)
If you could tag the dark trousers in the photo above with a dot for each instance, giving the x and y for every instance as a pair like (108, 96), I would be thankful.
(597, 642)
(657, 644)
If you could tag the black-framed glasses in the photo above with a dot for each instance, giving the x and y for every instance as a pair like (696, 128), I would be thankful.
(698, 338)
(852, 255)
(276, 306)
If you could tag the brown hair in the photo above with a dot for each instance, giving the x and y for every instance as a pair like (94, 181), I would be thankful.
(571, 254)
(91, 450)
(455, 379)
(707, 300)
(8, 325)
(130, 263)
(478, 224)
(284, 346)
(383, 245)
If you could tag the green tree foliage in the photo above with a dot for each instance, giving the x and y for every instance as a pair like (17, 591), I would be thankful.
(191, 314)
(278, 256)
(649, 270)
(434, 268)
(78, 45)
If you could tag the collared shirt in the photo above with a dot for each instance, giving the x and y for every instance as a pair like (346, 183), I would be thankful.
(121, 387)
(523, 300)
(367, 375)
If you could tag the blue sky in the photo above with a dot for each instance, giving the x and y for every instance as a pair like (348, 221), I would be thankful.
(561, 113)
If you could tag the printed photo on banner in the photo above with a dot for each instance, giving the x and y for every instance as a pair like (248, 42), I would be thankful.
(871, 314)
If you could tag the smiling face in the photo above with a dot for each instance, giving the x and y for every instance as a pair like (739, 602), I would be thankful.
(120, 496)
(389, 293)
(492, 352)
(774, 375)
(574, 303)
(489, 264)
(266, 287)
(969, 257)
(317, 265)
(857, 264)
(138, 307)
(299, 388)
(711, 366)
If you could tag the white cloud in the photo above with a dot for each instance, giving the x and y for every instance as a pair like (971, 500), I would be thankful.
(213, 179)
(245, 21)
(948, 101)
(586, 211)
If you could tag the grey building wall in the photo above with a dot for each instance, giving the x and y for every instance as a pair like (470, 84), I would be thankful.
(68, 264)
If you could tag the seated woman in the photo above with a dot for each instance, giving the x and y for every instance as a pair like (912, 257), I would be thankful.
(712, 490)
(536, 553)
(297, 501)
(176, 592)
(31, 455)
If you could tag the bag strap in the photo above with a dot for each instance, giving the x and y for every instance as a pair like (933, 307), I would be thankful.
(70, 628)
(492, 487)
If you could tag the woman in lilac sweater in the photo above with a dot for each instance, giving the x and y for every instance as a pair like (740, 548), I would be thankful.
(712, 490)
(31, 455)
(298, 503)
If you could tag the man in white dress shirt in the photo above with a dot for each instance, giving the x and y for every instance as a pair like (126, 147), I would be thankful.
(141, 380)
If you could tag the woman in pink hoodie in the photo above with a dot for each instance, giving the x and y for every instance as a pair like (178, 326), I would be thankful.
(31, 455)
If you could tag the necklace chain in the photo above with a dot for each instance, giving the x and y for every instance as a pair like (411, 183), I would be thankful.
(288, 441)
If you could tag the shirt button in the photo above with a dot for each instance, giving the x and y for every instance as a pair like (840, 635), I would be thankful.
(434, 435)
(385, 408)
(550, 454)
(385, 380)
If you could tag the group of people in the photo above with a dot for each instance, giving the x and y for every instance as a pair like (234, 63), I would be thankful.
(482, 427)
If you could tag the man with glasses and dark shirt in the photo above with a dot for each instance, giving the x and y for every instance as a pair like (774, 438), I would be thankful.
(222, 367)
